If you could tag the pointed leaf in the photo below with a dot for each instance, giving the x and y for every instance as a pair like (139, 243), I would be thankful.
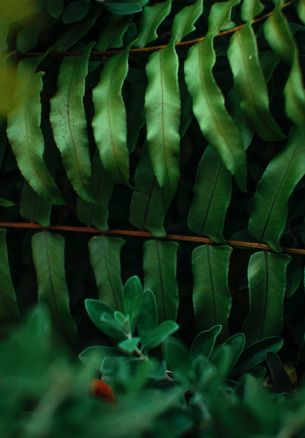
(212, 194)
(250, 84)
(209, 108)
(267, 283)
(147, 207)
(110, 39)
(96, 355)
(33, 207)
(105, 261)
(152, 17)
(220, 16)
(162, 110)
(159, 334)
(25, 135)
(160, 264)
(49, 261)
(211, 295)
(185, 19)
(294, 275)
(222, 358)
(133, 300)
(269, 214)
(148, 317)
(109, 121)
(280, 379)
(237, 344)
(129, 345)
(204, 342)
(9, 311)
(96, 214)
(256, 352)
(68, 121)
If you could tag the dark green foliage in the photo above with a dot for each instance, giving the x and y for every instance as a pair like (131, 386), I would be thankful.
(201, 133)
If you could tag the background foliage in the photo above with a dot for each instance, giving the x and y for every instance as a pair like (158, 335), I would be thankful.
(173, 117)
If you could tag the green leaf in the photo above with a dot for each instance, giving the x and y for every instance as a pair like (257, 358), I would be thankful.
(134, 106)
(25, 135)
(256, 352)
(280, 379)
(109, 121)
(33, 207)
(148, 318)
(55, 8)
(121, 8)
(129, 345)
(211, 294)
(204, 342)
(267, 283)
(152, 17)
(108, 38)
(102, 317)
(159, 334)
(6, 202)
(301, 10)
(250, 9)
(237, 344)
(251, 85)
(270, 204)
(220, 16)
(105, 261)
(184, 20)
(9, 311)
(176, 356)
(162, 111)
(160, 264)
(133, 300)
(212, 194)
(49, 261)
(147, 206)
(294, 275)
(222, 358)
(75, 11)
(68, 121)
(96, 355)
(96, 214)
(209, 108)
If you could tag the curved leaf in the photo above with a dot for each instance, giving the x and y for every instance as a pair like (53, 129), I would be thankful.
(109, 121)
(250, 84)
(133, 300)
(209, 108)
(49, 261)
(212, 194)
(267, 284)
(250, 9)
(211, 294)
(159, 334)
(162, 111)
(147, 207)
(205, 341)
(148, 317)
(160, 263)
(25, 135)
(68, 121)
(9, 311)
(105, 261)
(184, 20)
(152, 17)
(108, 38)
(269, 214)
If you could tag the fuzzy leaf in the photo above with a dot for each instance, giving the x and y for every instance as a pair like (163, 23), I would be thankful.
(209, 108)
(160, 263)
(152, 17)
(148, 317)
(267, 284)
(105, 261)
(176, 356)
(212, 194)
(269, 214)
(68, 121)
(159, 334)
(9, 311)
(133, 300)
(49, 261)
(162, 110)
(25, 135)
(211, 295)
(102, 317)
(109, 121)
(96, 355)
(204, 342)
(250, 84)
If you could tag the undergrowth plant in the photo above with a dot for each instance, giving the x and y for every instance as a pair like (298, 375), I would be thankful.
(171, 133)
